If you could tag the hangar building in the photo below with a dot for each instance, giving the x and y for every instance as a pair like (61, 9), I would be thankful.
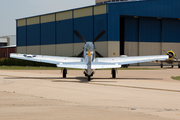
(132, 28)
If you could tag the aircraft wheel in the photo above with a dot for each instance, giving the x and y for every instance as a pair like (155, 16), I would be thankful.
(172, 66)
(113, 72)
(161, 65)
(64, 72)
(179, 65)
(89, 78)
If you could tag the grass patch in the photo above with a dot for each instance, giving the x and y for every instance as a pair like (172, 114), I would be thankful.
(176, 78)
(55, 68)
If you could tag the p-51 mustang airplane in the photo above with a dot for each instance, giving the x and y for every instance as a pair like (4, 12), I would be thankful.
(172, 59)
(89, 63)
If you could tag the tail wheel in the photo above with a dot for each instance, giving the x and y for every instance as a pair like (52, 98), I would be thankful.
(89, 78)
(172, 66)
(64, 72)
(113, 72)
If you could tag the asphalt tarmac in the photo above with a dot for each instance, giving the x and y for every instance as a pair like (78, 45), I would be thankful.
(133, 95)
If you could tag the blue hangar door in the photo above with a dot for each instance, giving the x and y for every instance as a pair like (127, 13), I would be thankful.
(149, 30)
(139, 29)
(130, 33)
(171, 30)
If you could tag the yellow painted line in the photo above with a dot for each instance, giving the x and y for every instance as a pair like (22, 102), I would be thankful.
(146, 88)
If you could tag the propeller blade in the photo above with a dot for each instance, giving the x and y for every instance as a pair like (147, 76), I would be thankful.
(80, 54)
(168, 53)
(79, 36)
(100, 35)
(98, 54)
(175, 58)
(164, 51)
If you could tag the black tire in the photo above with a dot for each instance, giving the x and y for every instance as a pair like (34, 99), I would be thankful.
(64, 72)
(161, 65)
(179, 65)
(113, 73)
(89, 78)
(172, 66)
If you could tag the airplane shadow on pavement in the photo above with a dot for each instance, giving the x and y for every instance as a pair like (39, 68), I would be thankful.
(81, 79)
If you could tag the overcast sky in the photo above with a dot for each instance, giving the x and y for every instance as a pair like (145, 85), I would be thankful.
(15, 9)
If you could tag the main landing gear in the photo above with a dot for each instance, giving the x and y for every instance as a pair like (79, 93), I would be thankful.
(64, 72)
(161, 64)
(113, 72)
(171, 65)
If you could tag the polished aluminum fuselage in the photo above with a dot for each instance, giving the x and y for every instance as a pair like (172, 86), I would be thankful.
(89, 56)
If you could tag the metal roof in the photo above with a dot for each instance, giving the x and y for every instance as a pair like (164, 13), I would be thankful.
(110, 3)
(83, 7)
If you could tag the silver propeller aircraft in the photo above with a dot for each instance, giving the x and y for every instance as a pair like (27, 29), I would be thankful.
(89, 62)
(172, 59)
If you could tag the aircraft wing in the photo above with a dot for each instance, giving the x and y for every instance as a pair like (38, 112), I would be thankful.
(172, 60)
(69, 62)
(116, 62)
(176, 60)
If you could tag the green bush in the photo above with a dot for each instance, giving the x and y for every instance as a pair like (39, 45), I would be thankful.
(17, 62)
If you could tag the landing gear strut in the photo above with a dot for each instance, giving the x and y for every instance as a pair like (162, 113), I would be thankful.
(113, 72)
(172, 66)
(64, 72)
(161, 64)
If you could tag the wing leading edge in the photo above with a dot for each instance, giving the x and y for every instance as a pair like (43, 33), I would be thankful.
(116, 62)
(69, 62)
